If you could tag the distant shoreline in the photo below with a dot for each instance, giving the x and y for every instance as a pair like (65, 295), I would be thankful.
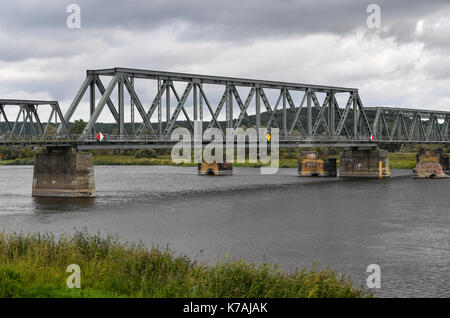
(398, 160)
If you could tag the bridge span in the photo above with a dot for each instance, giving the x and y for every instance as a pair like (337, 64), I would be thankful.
(146, 106)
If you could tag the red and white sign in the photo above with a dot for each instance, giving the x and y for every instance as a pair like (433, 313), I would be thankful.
(371, 137)
(100, 137)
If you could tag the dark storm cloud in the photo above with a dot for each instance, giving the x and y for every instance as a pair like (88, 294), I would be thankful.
(232, 20)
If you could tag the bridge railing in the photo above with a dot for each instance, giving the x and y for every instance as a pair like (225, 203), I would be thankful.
(36, 138)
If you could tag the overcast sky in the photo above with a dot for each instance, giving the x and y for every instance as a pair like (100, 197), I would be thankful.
(406, 63)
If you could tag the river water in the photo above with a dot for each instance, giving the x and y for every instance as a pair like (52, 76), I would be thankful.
(401, 223)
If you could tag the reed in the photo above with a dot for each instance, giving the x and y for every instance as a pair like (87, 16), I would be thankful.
(34, 265)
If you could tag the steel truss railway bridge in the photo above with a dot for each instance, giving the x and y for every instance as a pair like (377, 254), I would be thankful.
(313, 117)
(306, 116)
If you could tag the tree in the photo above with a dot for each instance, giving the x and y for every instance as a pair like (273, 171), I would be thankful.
(77, 127)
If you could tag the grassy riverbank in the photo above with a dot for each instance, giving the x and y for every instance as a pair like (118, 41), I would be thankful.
(398, 160)
(35, 266)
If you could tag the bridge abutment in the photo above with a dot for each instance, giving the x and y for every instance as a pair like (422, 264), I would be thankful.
(313, 163)
(215, 169)
(368, 163)
(63, 172)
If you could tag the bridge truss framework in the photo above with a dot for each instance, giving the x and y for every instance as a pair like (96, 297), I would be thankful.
(315, 118)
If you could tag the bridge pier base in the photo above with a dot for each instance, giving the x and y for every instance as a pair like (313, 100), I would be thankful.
(369, 163)
(63, 173)
(431, 164)
(215, 169)
(315, 164)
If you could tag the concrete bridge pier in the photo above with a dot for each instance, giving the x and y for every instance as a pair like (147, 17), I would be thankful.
(371, 163)
(63, 172)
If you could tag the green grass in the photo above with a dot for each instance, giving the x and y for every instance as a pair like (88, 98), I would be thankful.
(18, 162)
(114, 160)
(34, 265)
(400, 160)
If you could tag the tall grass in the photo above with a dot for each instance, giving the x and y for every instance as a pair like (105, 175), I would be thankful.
(34, 265)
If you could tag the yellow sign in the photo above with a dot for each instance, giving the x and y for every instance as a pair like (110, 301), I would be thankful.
(268, 137)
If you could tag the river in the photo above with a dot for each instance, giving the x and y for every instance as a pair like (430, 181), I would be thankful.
(401, 223)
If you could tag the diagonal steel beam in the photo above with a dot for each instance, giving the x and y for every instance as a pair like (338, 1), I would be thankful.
(422, 130)
(412, 128)
(430, 128)
(376, 123)
(49, 121)
(320, 116)
(59, 115)
(214, 118)
(267, 104)
(154, 105)
(76, 101)
(36, 117)
(243, 112)
(438, 129)
(180, 106)
(344, 115)
(243, 107)
(394, 128)
(297, 114)
(140, 108)
(385, 125)
(338, 112)
(446, 130)
(2, 109)
(17, 120)
(103, 101)
(219, 107)
(109, 102)
(290, 101)
(405, 128)
(269, 122)
(26, 117)
(363, 113)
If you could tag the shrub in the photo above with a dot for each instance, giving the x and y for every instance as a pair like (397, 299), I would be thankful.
(26, 152)
(11, 153)
(145, 153)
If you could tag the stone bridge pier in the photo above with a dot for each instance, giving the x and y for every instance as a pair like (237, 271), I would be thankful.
(432, 164)
(371, 163)
(215, 169)
(316, 164)
(63, 172)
